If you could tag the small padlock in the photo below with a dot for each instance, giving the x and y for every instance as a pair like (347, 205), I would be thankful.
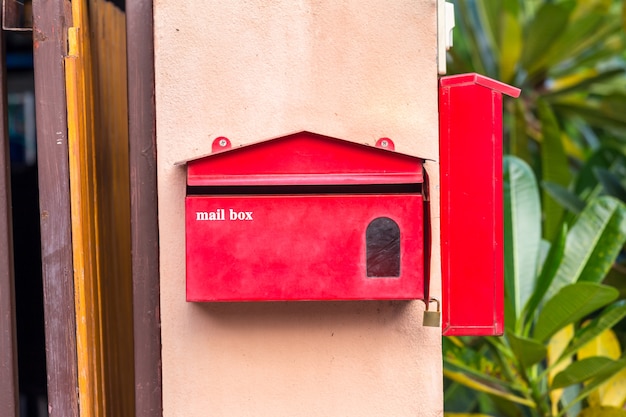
(432, 318)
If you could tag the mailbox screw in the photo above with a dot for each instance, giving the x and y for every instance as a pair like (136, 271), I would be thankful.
(385, 143)
(220, 144)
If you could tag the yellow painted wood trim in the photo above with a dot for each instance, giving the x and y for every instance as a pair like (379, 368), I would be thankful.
(72, 66)
(100, 207)
(84, 230)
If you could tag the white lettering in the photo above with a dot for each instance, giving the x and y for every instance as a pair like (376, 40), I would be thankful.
(240, 215)
(219, 215)
(216, 215)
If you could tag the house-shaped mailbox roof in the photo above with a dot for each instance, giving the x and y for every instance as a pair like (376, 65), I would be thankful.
(302, 158)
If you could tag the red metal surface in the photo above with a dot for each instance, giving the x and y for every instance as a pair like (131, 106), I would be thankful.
(309, 246)
(470, 111)
(304, 158)
(472, 79)
(297, 247)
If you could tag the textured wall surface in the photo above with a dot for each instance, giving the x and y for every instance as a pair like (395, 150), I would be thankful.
(252, 70)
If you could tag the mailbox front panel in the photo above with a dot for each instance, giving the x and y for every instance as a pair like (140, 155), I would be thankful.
(304, 247)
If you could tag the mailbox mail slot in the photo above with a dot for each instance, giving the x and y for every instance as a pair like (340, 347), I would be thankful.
(304, 217)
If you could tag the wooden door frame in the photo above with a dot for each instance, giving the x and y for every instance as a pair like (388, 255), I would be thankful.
(50, 20)
(144, 213)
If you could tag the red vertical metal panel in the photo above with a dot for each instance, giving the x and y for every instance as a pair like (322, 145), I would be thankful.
(472, 257)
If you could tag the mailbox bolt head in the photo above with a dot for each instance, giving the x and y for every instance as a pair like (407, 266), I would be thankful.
(385, 143)
(220, 144)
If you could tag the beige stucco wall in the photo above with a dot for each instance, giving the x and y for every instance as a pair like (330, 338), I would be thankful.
(256, 69)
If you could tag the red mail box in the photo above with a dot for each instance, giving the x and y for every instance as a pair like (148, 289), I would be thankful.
(472, 256)
(304, 217)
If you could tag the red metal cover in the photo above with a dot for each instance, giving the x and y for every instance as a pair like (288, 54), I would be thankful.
(472, 257)
(304, 247)
(304, 158)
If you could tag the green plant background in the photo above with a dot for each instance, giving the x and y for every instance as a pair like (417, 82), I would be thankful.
(565, 212)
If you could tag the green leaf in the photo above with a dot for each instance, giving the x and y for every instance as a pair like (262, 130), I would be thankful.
(590, 112)
(611, 183)
(510, 44)
(479, 375)
(611, 315)
(585, 43)
(481, 387)
(600, 411)
(554, 167)
(564, 197)
(584, 370)
(527, 351)
(522, 233)
(548, 271)
(571, 304)
(601, 378)
(520, 142)
(457, 398)
(488, 13)
(469, 415)
(510, 316)
(608, 44)
(617, 279)
(549, 24)
(610, 242)
(579, 37)
(592, 243)
(613, 104)
(582, 81)
(583, 8)
(607, 157)
(466, 22)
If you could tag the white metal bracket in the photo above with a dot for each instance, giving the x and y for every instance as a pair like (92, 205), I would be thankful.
(445, 25)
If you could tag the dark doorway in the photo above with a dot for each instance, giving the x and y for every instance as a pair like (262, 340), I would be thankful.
(31, 354)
